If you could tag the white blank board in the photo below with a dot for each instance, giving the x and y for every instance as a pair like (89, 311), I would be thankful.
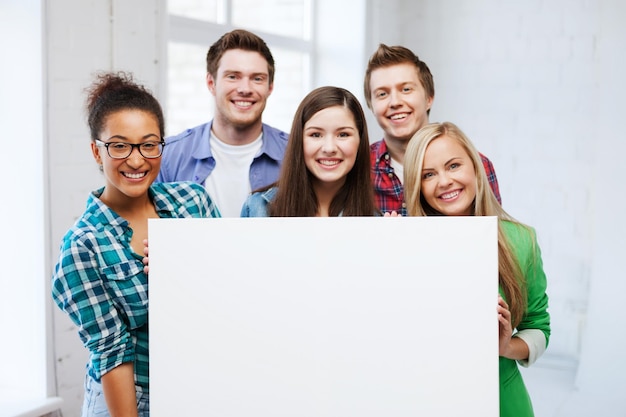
(335, 317)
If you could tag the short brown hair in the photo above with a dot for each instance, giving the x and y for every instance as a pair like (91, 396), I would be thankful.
(239, 39)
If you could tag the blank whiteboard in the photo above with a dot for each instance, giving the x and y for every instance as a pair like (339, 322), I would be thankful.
(333, 317)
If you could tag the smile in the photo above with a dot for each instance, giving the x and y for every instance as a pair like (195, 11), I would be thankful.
(329, 162)
(135, 176)
(243, 103)
(399, 116)
(450, 195)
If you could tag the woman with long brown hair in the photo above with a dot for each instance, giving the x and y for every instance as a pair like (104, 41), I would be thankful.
(326, 168)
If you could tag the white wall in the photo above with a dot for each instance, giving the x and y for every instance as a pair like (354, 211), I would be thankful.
(602, 373)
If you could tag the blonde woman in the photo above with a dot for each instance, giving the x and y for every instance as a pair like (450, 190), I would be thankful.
(444, 176)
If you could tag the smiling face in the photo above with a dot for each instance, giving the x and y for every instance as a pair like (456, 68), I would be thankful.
(241, 88)
(128, 178)
(331, 143)
(399, 101)
(448, 182)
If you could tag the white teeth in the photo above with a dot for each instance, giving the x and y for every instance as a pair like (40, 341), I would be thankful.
(134, 176)
(449, 195)
(327, 162)
(398, 116)
(243, 103)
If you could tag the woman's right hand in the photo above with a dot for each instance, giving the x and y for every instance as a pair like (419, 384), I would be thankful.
(505, 329)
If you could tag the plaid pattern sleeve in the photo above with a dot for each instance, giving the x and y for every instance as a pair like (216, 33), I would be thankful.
(183, 199)
(491, 176)
(388, 189)
(99, 282)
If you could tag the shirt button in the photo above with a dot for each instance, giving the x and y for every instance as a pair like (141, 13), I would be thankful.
(390, 175)
(387, 156)
(403, 204)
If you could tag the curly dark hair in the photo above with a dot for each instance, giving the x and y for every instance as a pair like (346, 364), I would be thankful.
(115, 91)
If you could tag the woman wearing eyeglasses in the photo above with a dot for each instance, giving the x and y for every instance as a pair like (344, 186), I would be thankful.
(99, 279)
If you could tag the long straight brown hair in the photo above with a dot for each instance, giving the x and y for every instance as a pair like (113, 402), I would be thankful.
(295, 196)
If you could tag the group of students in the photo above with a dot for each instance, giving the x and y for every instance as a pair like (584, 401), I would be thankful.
(235, 165)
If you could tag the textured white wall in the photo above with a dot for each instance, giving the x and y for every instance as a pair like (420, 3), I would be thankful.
(602, 374)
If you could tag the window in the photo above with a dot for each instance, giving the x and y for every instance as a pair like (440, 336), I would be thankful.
(26, 302)
(206, 10)
(194, 25)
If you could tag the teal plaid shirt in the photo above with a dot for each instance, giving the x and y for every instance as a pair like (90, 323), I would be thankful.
(99, 280)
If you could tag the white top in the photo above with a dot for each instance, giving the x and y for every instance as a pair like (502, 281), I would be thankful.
(536, 341)
(229, 182)
(398, 169)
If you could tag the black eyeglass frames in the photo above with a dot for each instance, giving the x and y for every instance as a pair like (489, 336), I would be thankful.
(122, 150)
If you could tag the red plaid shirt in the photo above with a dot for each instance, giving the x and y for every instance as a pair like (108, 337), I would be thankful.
(388, 188)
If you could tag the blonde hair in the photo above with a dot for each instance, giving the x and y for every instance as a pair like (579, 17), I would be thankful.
(511, 279)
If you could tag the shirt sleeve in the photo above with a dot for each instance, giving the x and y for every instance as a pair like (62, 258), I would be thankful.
(245, 209)
(536, 341)
(536, 316)
(204, 201)
(491, 176)
(78, 289)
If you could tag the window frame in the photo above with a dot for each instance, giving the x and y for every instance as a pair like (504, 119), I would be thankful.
(186, 30)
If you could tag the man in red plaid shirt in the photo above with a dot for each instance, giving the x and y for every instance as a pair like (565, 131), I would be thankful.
(399, 89)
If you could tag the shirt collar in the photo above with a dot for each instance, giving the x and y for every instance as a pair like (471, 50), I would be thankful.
(104, 215)
(381, 153)
(270, 145)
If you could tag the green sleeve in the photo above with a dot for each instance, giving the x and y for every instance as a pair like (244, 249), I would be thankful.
(524, 243)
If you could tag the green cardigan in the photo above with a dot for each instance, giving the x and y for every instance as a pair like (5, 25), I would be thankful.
(514, 398)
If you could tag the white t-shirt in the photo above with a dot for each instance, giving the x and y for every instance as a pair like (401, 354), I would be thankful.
(398, 169)
(229, 182)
